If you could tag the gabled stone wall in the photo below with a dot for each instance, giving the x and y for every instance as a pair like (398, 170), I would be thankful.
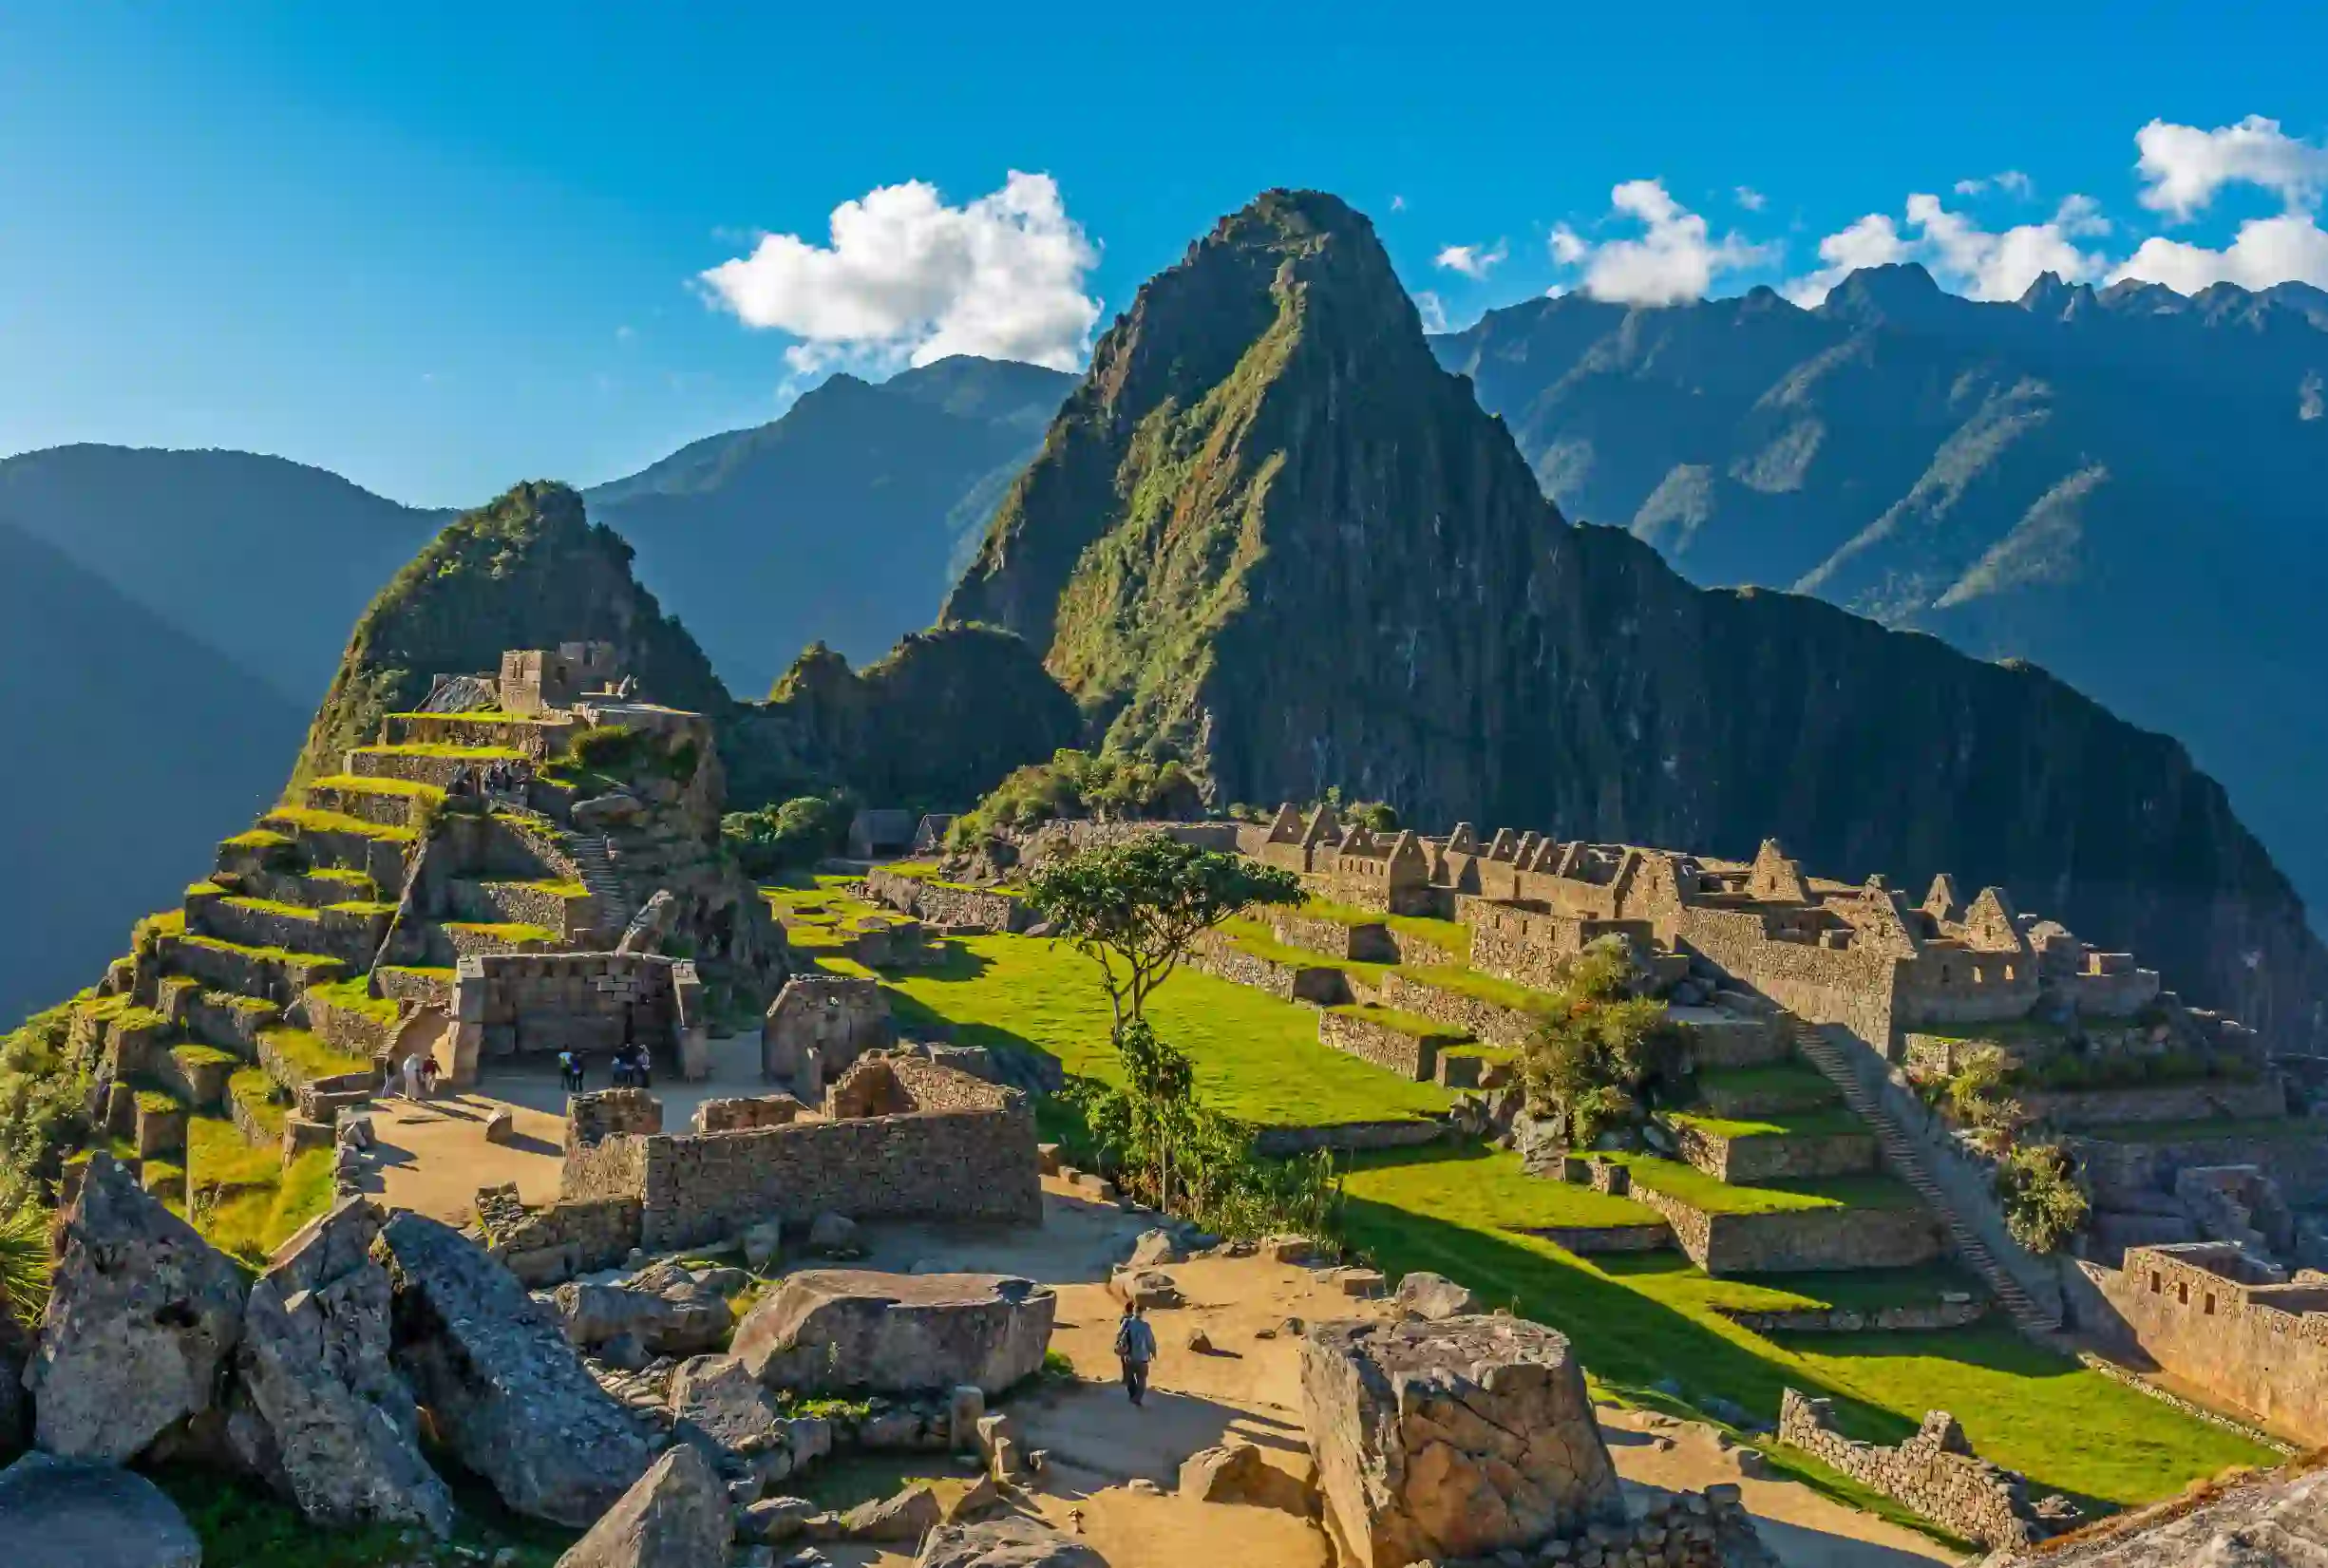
(1935, 1472)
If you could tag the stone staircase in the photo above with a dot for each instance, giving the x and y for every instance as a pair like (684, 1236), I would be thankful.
(609, 904)
(1907, 1162)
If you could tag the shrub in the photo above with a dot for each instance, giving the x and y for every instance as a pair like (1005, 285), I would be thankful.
(783, 838)
(1078, 785)
(2043, 1205)
(1604, 1056)
(43, 1089)
(25, 1264)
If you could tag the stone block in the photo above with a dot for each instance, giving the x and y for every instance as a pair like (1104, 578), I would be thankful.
(833, 1330)
(1460, 1438)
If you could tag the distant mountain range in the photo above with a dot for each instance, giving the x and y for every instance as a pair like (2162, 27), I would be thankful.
(130, 746)
(842, 522)
(2128, 487)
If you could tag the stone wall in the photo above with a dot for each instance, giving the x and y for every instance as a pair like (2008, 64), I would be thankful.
(1413, 1057)
(2123, 1175)
(544, 1245)
(2263, 1347)
(1823, 985)
(736, 1115)
(1935, 1472)
(1768, 1158)
(1797, 1238)
(2199, 1100)
(1316, 983)
(1369, 943)
(939, 904)
(1920, 1317)
(515, 1004)
(1345, 1137)
(1500, 1026)
(973, 1158)
(819, 1026)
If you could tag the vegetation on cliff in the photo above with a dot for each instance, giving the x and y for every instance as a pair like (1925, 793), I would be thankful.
(1078, 785)
(1270, 537)
(528, 569)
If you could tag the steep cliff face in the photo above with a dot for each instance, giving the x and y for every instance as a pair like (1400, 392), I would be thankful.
(527, 571)
(932, 727)
(1270, 534)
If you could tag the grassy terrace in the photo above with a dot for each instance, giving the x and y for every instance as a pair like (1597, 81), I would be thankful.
(1641, 1320)
(307, 819)
(507, 931)
(357, 783)
(1795, 1082)
(440, 749)
(306, 1056)
(1825, 1122)
(354, 995)
(253, 1090)
(1449, 935)
(218, 1160)
(1405, 1023)
(1700, 1191)
(257, 837)
(1257, 1058)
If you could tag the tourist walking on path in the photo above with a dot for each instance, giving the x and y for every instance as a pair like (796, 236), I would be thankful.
(413, 1076)
(429, 1078)
(570, 1072)
(1135, 1346)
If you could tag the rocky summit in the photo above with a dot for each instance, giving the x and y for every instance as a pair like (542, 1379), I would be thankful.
(1270, 535)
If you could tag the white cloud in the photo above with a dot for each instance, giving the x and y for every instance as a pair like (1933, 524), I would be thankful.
(2290, 248)
(1750, 198)
(1473, 261)
(2014, 182)
(908, 280)
(2183, 166)
(1960, 253)
(1873, 241)
(1431, 308)
(1970, 187)
(1398, 203)
(1675, 259)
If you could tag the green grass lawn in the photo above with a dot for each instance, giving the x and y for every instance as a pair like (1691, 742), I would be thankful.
(1822, 1123)
(1405, 1023)
(1715, 1196)
(1640, 1320)
(1454, 938)
(1257, 1058)
(1794, 1083)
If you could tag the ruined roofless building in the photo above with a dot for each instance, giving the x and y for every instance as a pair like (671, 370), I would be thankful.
(540, 680)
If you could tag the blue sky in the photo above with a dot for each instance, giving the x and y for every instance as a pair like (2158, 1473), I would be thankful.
(439, 249)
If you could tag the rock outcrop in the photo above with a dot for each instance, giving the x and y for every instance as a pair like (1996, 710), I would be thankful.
(2279, 1520)
(831, 1330)
(1270, 535)
(1005, 1544)
(1456, 1439)
(501, 1385)
(1238, 1472)
(592, 1315)
(320, 1410)
(62, 1513)
(675, 1516)
(141, 1321)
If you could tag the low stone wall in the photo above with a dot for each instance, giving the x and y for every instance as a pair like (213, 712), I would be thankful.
(1774, 1157)
(1369, 943)
(737, 1115)
(546, 1245)
(1315, 983)
(421, 987)
(1484, 1020)
(1413, 1057)
(1797, 1238)
(2204, 1100)
(1922, 1317)
(975, 1159)
(1935, 1472)
(953, 906)
(2122, 1175)
(352, 1029)
(537, 738)
(1719, 1039)
(227, 1021)
(1345, 1137)
(538, 1003)
(528, 904)
(1587, 1239)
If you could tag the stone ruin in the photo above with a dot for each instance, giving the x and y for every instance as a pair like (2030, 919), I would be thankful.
(2224, 1322)
(1472, 1438)
(514, 1005)
(1935, 1472)
(819, 1026)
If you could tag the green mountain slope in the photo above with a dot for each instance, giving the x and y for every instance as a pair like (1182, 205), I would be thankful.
(843, 521)
(2123, 486)
(130, 748)
(1270, 533)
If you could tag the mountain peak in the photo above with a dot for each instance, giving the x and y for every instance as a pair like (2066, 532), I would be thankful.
(1898, 293)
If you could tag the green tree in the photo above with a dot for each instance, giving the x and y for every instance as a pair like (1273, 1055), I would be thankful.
(1134, 908)
(1604, 1054)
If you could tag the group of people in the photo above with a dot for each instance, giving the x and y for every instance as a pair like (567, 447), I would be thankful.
(631, 1068)
(502, 781)
(420, 1076)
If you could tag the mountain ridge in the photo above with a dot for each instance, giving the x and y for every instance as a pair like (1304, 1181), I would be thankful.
(1239, 545)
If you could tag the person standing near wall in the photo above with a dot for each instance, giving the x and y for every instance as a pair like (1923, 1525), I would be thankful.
(1135, 1347)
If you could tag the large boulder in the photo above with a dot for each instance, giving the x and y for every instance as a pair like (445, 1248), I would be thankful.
(592, 1315)
(1460, 1438)
(1011, 1543)
(675, 1516)
(906, 1515)
(2276, 1519)
(833, 1330)
(320, 1410)
(64, 1513)
(502, 1387)
(1429, 1295)
(141, 1320)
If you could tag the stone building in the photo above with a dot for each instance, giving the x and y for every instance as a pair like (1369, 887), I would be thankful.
(539, 680)
(539, 1004)
(819, 1026)
(2228, 1324)
(899, 1138)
